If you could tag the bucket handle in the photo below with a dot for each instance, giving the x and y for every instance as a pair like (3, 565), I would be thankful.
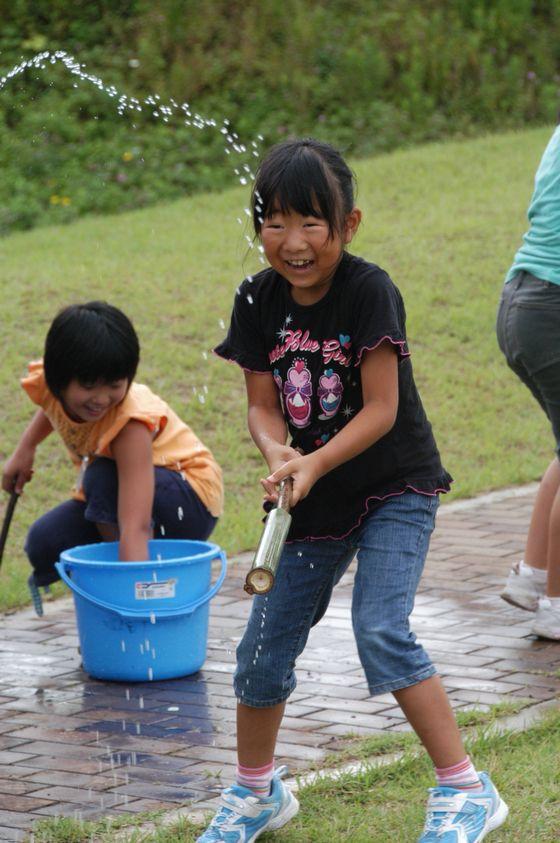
(142, 614)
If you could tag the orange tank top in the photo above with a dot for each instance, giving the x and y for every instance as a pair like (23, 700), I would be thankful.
(174, 445)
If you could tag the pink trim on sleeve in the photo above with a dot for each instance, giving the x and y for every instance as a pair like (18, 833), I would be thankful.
(236, 363)
(401, 343)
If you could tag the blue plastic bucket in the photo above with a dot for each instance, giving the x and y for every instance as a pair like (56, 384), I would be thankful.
(142, 621)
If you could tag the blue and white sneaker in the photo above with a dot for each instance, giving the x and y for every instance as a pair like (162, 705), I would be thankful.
(459, 816)
(242, 816)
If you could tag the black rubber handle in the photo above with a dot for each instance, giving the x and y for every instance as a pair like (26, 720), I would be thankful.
(7, 521)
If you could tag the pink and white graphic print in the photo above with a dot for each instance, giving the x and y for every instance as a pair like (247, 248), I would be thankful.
(298, 391)
(330, 393)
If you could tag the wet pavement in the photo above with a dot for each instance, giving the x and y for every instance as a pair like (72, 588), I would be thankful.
(73, 746)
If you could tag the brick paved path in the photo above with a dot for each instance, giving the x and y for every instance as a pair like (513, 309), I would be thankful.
(73, 746)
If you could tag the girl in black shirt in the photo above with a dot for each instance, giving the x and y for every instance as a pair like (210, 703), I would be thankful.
(321, 339)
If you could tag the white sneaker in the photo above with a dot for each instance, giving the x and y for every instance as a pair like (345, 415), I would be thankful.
(547, 620)
(523, 588)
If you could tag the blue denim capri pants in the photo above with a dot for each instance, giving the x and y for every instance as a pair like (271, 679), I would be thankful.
(391, 545)
(177, 513)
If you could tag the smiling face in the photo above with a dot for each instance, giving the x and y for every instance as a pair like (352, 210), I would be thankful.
(304, 250)
(90, 402)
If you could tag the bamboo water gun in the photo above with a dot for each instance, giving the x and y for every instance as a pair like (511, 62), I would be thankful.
(260, 578)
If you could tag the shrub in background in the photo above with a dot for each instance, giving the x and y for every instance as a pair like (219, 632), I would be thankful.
(365, 76)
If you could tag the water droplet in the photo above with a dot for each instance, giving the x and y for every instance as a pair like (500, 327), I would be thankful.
(141, 702)
(150, 676)
(123, 646)
(156, 108)
(173, 708)
(180, 513)
(222, 324)
(152, 617)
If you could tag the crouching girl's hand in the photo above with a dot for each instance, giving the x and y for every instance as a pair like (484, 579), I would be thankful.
(18, 470)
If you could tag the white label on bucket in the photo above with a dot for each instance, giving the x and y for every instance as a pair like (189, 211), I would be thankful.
(154, 590)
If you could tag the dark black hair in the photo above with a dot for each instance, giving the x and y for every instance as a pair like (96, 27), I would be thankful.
(89, 343)
(305, 176)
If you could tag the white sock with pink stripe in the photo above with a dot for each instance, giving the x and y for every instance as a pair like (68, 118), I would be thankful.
(461, 776)
(257, 779)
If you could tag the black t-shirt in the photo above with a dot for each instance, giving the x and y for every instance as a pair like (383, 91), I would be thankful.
(314, 352)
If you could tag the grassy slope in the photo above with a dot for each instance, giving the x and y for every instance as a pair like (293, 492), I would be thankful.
(443, 219)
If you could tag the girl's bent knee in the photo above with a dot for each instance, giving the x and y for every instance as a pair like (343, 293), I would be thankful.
(38, 544)
(261, 685)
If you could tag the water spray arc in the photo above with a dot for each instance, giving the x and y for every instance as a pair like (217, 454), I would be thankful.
(242, 155)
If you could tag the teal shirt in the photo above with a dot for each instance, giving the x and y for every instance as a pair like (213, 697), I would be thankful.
(540, 252)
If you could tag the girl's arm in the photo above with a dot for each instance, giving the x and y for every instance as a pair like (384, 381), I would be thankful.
(132, 450)
(379, 376)
(266, 421)
(19, 467)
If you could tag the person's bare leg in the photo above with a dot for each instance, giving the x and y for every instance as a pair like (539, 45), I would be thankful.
(537, 546)
(553, 582)
(257, 730)
(429, 712)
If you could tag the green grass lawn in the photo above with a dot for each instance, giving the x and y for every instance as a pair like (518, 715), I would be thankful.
(444, 220)
(386, 804)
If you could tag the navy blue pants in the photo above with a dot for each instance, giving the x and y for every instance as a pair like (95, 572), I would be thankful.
(178, 513)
